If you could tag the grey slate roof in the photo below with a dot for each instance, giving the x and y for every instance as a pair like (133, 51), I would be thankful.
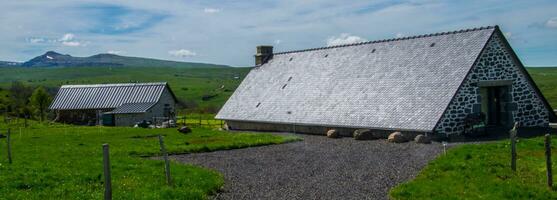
(402, 84)
(106, 96)
(133, 108)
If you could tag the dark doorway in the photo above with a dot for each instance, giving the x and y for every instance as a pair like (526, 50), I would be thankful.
(108, 119)
(493, 100)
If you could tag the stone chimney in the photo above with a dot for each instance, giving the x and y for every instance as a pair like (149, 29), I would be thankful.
(263, 54)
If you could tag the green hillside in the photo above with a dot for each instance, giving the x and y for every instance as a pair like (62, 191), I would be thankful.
(546, 79)
(207, 88)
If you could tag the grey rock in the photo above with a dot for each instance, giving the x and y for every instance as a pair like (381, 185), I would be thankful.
(422, 139)
(184, 129)
(364, 134)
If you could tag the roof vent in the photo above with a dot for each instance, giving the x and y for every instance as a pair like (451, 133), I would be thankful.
(258, 104)
(326, 55)
(283, 86)
(289, 78)
(290, 59)
(289, 112)
(432, 44)
(373, 51)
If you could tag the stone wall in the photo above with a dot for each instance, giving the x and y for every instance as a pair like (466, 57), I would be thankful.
(495, 63)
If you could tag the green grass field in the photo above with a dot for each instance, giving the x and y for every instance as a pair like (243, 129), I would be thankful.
(546, 79)
(189, 84)
(482, 171)
(65, 162)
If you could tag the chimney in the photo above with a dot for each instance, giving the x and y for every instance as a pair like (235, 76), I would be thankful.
(263, 54)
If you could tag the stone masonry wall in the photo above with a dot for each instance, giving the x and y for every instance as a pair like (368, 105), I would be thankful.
(495, 63)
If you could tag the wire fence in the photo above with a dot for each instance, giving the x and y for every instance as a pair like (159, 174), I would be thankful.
(185, 119)
(199, 120)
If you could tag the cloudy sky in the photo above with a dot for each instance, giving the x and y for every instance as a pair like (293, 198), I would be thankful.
(226, 32)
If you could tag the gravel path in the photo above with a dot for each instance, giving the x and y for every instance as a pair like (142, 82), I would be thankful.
(316, 168)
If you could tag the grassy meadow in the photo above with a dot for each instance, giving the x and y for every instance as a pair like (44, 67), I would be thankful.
(546, 80)
(65, 162)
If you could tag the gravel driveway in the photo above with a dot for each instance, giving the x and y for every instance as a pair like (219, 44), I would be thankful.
(316, 168)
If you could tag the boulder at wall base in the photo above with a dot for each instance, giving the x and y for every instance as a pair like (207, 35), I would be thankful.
(396, 137)
(422, 139)
(363, 134)
(184, 129)
(333, 133)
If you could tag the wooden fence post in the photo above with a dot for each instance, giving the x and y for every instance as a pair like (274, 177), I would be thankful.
(548, 160)
(107, 178)
(8, 140)
(513, 146)
(166, 161)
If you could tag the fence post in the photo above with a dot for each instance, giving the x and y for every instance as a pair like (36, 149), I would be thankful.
(548, 160)
(107, 178)
(8, 140)
(166, 161)
(513, 146)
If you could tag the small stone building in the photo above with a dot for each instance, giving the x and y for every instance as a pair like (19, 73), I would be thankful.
(115, 104)
(434, 84)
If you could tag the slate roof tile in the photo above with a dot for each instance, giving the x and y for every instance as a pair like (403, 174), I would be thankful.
(405, 84)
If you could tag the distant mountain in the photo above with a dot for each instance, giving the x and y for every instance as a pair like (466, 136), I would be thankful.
(54, 59)
(9, 64)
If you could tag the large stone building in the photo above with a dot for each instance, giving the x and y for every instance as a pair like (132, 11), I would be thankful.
(443, 83)
(114, 104)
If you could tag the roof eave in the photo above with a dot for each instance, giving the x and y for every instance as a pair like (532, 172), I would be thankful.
(328, 125)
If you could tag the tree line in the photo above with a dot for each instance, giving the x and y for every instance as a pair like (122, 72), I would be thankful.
(24, 101)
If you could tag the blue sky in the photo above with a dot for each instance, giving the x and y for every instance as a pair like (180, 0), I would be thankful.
(226, 32)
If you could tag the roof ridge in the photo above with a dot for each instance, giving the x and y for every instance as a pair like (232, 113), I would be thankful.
(112, 85)
(392, 39)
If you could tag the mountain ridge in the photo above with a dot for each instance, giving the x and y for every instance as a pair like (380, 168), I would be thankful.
(55, 59)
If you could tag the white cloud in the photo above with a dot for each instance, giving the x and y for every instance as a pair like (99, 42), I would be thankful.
(114, 52)
(551, 23)
(69, 40)
(67, 37)
(508, 35)
(71, 43)
(344, 38)
(36, 40)
(212, 10)
(182, 53)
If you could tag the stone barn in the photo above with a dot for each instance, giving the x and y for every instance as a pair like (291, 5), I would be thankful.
(442, 84)
(114, 104)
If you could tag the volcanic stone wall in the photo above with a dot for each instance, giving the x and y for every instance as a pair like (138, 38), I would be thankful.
(494, 64)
